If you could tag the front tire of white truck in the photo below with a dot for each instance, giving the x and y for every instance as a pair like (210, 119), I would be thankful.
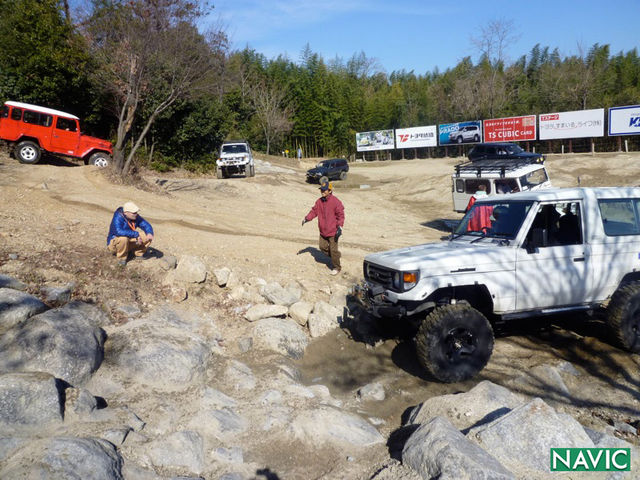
(454, 342)
(624, 316)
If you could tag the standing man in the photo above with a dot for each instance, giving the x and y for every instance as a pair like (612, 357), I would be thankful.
(330, 213)
(124, 236)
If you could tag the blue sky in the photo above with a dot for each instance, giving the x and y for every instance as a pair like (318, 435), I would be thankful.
(422, 35)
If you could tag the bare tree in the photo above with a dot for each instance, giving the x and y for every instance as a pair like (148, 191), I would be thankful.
(152, 55)
(271, 111)
(493, 40)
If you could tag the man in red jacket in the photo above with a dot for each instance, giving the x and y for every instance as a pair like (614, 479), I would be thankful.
(330, 213)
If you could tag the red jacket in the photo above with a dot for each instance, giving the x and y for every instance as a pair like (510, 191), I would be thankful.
(330, 213)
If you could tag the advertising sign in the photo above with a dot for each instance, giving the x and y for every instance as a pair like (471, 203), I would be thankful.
(577, 124)
(416, 137)
(624, 120)
(378, 140)
(512, 129)
(463, 132)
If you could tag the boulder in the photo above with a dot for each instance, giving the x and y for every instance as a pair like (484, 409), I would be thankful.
(57, 296)
(9, 282)
(522, 438)
(222, 276)
(438, 450)
(280, 296)
(258, 312)
(240, 376)
(324, 424)
(180, 451)
(78, 403)
(29, 399)
(168, 262)
(300, 312)
(65, 457)
(280, 335)
(484, 402)
(372, 391)
(190, 269)
(66, 342)
(16, 306)
(320, 325)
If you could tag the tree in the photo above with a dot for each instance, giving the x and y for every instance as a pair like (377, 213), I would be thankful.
(151, 56)
(272, 112)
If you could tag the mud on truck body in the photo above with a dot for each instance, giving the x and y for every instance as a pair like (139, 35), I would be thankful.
(518, 256)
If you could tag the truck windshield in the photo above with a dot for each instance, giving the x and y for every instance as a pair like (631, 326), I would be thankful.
(494, 219)
(513, 149)
(234, 148)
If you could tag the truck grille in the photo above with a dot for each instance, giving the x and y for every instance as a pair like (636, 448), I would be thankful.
(378, 274)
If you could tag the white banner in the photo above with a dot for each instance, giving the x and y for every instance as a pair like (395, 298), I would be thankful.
(577, 124)
(378, 140)
(416, 137)
(624, 120)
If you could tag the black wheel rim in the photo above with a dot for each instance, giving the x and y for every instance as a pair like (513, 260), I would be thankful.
(461, 344)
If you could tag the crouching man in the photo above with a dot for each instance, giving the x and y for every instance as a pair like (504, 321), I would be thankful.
(129, 232)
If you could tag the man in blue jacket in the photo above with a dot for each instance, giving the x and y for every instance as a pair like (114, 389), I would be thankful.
(129, 232)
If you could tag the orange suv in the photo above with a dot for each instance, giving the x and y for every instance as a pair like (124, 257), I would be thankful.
(33, 130)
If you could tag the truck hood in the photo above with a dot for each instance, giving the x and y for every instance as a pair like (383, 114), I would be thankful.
(316, 170)
(94, 141)
(444, 258)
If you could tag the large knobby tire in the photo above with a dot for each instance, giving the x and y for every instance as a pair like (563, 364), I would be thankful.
(252, 171)
(100, 159)
(28, 152)
(343, 175)
(624, 316)
(454, 342)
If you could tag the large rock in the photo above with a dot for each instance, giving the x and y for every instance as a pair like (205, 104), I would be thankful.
(190, 270)
(265, 311)
(9, 282)
(278, 295)
(66, 342)
(158, 354)
(240, 376)
(181, 451)
(438, 450)
(329, 425)
(522, 438)
(484, 402)
(64, 457)
(324, 319)
(222, 276)
(15, 307)
(300, 312)
(29, 399)
(281, 335)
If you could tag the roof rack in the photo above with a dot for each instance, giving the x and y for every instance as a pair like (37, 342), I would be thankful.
(494, 166)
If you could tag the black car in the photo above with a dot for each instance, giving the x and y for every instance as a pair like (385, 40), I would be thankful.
(503, 151)
(331, 169)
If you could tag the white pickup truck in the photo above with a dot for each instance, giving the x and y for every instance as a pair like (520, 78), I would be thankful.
(521, 255)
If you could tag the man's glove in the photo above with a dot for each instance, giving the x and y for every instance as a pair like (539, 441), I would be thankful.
(304, 220)
(338, 233)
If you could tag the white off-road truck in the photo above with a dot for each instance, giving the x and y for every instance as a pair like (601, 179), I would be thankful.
(235, 158)
(522, 255)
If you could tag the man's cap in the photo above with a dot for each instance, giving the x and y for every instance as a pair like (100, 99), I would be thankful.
(130, 207)
(324, 186)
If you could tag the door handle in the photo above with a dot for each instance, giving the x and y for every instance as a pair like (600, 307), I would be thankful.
(578, 259)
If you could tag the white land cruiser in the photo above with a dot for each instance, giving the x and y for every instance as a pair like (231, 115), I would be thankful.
(513, 256)
(498, 176)
(235, 158)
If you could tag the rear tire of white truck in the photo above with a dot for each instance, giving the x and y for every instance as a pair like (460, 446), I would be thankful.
(454, 342)
(623, 314)
(28, 152)
(252, 171)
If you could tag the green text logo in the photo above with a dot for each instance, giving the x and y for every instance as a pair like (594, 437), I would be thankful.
(590, 459)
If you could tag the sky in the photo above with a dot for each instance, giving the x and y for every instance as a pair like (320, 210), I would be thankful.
(421, 36)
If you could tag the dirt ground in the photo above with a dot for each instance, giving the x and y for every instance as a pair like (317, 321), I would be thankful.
(55, 215)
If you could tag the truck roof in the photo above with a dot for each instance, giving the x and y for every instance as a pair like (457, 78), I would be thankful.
(567, 194)
(489, 168)
(38, 108)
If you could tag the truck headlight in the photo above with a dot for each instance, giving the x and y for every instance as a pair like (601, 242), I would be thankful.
(410, 280)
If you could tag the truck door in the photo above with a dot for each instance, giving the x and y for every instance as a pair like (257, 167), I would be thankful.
(553, 267)
(65, 136)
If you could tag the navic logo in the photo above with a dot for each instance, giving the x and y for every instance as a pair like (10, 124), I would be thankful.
(590, 459)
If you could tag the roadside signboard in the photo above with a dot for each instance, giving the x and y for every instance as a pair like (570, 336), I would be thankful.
(576, 124)
(376, 140)
(416, 137)
(461, 132)
(512, 129)
(624, 120)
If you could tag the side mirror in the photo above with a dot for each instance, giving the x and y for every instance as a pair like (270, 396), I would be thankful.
(539, 238)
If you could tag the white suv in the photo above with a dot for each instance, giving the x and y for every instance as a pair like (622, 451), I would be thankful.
(467, 134)
(235, 158)
(513, 256)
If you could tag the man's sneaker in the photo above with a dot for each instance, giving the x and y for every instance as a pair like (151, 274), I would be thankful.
(122, 263)
(335, 271)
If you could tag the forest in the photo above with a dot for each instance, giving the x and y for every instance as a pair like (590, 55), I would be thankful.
(143, 74)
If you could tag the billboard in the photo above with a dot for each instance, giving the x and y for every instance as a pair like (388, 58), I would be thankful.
(577, 124)
(416, 137)
(510, 129)
(377, 140)
(462, 132)
(624, 120)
